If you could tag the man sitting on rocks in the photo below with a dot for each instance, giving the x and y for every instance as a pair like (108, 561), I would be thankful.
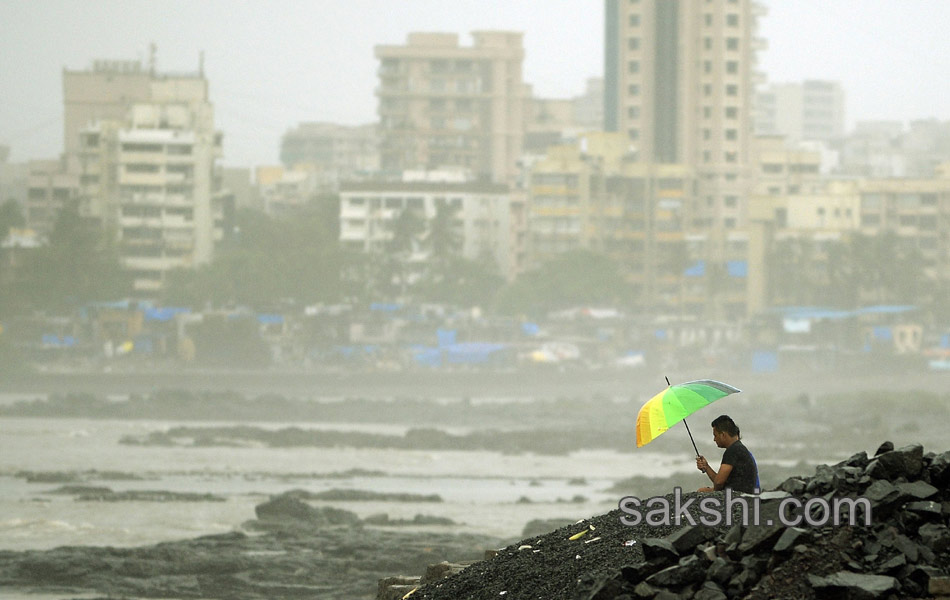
(738, 470)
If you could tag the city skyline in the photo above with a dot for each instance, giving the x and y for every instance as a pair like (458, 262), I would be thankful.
(261, 87)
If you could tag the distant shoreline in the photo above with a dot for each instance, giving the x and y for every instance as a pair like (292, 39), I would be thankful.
(549, 383)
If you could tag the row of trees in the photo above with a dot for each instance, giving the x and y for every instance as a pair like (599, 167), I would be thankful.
(266, 262)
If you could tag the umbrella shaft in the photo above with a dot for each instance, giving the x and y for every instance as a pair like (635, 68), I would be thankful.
(691, 437)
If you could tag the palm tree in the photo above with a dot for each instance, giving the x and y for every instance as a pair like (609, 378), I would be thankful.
(406, 231)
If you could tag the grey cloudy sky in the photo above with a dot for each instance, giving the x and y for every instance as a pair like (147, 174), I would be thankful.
(274, 63)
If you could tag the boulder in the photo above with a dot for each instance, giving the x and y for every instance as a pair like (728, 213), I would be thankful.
(935, 536)
(689, 570)
(907, 461)
(856, 585)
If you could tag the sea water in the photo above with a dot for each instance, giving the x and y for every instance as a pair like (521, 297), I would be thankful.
(483, 492)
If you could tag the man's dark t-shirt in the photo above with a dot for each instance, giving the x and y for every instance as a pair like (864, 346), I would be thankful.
(744, 476)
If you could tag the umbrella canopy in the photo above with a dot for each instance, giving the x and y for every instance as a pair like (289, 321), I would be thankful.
(674, 404)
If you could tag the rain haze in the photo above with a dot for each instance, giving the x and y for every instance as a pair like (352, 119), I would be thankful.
(395, 283)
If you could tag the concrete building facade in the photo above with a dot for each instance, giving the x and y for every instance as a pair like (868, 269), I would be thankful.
(332, 152)
(445, 105)
(811, 110)
(484, 219)
(679, 83)
(144, 148)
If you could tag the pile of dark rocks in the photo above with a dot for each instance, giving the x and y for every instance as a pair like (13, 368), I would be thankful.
(897, 546)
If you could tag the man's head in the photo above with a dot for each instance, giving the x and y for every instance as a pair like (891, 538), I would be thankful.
(725, 431)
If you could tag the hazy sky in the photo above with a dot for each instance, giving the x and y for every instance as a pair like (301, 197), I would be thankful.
(274, 63)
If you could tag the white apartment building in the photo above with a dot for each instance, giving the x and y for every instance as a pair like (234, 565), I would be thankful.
(483, 216)
(149, 178)
(811, 110)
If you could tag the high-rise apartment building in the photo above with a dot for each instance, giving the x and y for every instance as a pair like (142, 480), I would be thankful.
(444, 105)
(144, 148)
(679, 82)
(811, 110)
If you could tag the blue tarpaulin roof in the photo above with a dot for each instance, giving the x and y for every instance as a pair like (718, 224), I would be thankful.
(820, 312)
(385, 307)
(166, 313)
(697, 269)
(737, 268)
(270, 319)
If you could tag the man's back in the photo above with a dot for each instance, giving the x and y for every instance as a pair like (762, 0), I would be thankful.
(744, 476)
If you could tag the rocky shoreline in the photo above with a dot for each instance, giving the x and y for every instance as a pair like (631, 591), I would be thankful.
(291, 550)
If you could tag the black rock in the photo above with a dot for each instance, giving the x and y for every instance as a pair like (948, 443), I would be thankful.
(285, 508)
(794, 486)
(894, 564)
(854, 584)
(685, 540)
(710, 591)
(689, 570)
(917, 489)
(721, 570)
(659, 548)
(939, 469)
(935, 536)
(907, 461)
(885, 447)
(790, 538)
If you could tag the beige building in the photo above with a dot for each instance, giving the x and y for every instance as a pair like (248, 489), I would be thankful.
(332, 152)
(445, 105)
(596, 195)
(679, 83)
(49, 188)
(144, 148)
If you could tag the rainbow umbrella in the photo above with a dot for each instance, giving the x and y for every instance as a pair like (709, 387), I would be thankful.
(674, 404)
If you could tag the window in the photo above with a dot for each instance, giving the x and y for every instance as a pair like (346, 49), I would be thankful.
(706, 134)
(634, 66)
(732, 20)
(771, 168)
(634, 20)
(732, 67)
(732, 112)
(732, 43)
(707, 112)
(707, 66)
(731, 201)
(708, 19)
(729, 223)
(732, 90)
(633, 112)
(707, 89)
(634, 134)
(732, 134)
(633, 89)
(393, 202)
(707, 43)
(732, 157)
(179, 150)
(141, 168)
(633, 43)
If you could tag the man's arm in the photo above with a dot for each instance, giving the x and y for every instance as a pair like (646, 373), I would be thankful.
(718, 478)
